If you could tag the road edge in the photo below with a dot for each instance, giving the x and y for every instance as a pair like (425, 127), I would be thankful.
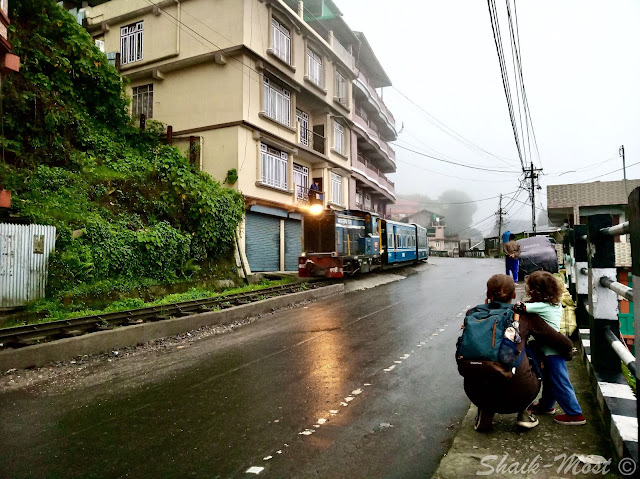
(99, 342)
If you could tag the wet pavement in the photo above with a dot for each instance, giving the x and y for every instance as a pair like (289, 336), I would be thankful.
(362, 384)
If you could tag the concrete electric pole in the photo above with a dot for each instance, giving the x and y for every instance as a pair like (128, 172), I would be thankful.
(532, 174)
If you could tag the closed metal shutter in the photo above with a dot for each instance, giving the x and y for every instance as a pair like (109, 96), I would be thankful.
(262, 242)
(292, 244)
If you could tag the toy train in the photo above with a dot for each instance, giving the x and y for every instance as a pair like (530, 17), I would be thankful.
(340, 243)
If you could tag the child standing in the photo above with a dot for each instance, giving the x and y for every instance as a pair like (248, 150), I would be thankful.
(545, 293)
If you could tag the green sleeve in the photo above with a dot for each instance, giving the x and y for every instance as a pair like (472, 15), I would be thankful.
(536, 308)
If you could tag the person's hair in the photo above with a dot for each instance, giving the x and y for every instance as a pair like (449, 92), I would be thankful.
(543, 287)
(512, 236)
(500, 288)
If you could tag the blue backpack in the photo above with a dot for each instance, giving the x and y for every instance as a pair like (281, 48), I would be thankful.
(483, 351)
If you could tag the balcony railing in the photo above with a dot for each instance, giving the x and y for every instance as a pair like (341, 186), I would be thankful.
(307, 195)
(372, 91)
(311, 139)
(375, 137)
(374, 173)
(344, 54)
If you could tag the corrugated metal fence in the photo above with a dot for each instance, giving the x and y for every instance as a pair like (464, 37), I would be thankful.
(24, 255)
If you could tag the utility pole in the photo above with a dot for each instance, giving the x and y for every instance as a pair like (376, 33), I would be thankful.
(500, 221)
(624, 171)
(533, 174)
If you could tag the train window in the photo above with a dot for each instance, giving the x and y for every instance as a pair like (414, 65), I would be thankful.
(398, 244)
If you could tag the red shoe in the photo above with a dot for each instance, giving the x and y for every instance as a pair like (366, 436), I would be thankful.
(567, 420)
(536, 409)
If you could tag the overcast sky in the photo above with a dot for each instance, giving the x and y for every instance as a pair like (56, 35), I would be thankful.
(581, 65)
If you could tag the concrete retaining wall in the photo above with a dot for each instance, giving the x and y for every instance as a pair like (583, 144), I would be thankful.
(94, 343)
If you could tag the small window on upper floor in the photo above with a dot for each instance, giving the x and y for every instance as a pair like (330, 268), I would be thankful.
(338, 137)
(341, 88)
(314, 64)
(281, 37)
(142, 101)
(336, 188)
(277, 102)
(99, 44)
(131, 43)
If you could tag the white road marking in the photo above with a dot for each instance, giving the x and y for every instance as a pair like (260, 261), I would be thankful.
(367, 384)
(254, 470)
(398, 362)
(306, 432)
(419, 345)
(322, 420)
(344, 404)
(267, 458)
(334, 412)
(355, 392)
(405, 356)
(349, 399)
(390, 368)
(434, 334)
(442, 330)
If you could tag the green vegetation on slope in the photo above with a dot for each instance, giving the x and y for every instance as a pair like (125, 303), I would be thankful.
(126, 207)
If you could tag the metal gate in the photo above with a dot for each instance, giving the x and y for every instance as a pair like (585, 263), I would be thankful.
(262, 242)
(24, 255)
(292, 244)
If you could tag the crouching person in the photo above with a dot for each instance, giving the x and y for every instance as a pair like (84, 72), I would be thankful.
(491, 355)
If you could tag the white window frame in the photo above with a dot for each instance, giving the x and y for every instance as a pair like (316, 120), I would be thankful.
(274, 167)
(277, 103)
(142, 101)
(341, 88)
(281, 37)
(99, 43)
(301, 179)
(314, 67)
(131, 42)
(336, 188)
(305, 133)
(338, 137)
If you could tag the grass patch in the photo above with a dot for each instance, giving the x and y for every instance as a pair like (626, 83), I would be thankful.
(631, 379)
(56, 310)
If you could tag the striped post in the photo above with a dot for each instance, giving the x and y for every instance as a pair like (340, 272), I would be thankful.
(582, 281)
(603, 303)
(634, 225)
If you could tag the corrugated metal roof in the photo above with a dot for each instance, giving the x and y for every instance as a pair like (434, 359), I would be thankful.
(599, 193)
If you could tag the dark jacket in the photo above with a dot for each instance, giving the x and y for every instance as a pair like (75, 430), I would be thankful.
(516, 394)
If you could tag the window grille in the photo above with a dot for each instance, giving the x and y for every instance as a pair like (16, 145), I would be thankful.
(274, 167)
(281, 41)
(301, 179)
(336, 188)
(131, 43)
(277, 103)
(338, 137)
(142, 101)
(303, 119)
(100, 45)
(314, 62)
(341, 88)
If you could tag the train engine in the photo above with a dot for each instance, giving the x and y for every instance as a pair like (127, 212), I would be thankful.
(339, 243)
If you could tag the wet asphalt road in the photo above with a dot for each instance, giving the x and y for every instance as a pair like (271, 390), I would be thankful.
(367, 377)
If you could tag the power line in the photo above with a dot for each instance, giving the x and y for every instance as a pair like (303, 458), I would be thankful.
(450, 131)
(454, 162)
(451, 176)
(461, 202)
(614, 171)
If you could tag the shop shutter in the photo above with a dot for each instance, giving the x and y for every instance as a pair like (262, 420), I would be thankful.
(262, 242)
(292, 244)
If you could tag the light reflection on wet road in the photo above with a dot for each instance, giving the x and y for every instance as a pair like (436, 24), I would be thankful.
(359, 385)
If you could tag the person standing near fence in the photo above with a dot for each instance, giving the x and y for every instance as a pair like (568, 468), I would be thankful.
(512, 253)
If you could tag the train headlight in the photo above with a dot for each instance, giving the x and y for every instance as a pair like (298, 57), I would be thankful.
(316, 209)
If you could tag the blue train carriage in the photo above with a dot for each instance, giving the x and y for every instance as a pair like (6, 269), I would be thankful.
(339, 243)
(423, 243)
(403, 242)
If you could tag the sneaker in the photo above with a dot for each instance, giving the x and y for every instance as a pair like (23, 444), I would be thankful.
(540, 410)
(484, 421)
(526, 420)
(567, 420)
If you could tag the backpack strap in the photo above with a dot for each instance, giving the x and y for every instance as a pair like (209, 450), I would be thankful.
(519, 360)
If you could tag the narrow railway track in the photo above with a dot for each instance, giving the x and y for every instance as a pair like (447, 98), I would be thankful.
(21, 336)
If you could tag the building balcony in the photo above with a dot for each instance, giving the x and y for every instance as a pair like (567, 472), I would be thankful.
(311, 140)
(379, 147)
(377, 103)
(373, 177)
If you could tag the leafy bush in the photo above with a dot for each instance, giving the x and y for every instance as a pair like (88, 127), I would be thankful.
(125, 205)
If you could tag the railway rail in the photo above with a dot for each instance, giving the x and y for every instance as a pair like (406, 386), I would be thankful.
(21, 336)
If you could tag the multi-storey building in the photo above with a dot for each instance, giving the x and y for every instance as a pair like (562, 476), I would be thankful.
(8, 61)
(373, 129)
(259, 88)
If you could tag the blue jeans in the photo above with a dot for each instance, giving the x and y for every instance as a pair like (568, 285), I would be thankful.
(512, 265)
(556, 386)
